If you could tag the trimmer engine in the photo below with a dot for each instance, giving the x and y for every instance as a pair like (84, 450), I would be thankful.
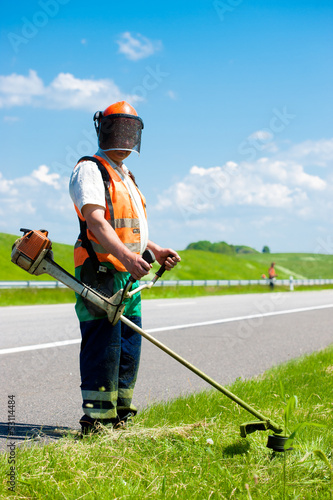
(28, 249)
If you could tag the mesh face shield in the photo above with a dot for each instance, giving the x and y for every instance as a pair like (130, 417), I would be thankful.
(119, 132)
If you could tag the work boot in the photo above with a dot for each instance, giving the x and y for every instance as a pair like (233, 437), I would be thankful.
(123, 419)
(91, 425)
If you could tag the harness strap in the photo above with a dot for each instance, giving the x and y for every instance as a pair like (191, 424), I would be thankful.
(86, 243)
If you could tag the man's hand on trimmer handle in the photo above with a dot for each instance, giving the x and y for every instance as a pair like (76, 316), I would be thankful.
(164, 256)
(140, 266)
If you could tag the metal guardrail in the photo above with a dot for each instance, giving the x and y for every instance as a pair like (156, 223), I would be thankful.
(31, 284)
(291, 282)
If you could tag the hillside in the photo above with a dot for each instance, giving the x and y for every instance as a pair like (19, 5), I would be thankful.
(195, 264)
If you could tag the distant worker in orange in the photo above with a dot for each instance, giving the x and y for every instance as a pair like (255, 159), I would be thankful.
(272, 275)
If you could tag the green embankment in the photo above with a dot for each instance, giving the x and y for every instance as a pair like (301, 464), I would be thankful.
(196, 264)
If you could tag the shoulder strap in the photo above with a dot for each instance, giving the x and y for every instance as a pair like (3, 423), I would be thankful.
(86, 243)
(101, 168)
(106, 180)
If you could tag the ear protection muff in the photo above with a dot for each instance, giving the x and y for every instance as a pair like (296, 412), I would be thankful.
(97, 120)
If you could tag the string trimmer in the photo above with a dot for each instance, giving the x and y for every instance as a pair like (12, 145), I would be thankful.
(32, 252)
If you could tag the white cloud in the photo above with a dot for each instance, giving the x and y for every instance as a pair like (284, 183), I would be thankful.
(263, 141)
(137, 47)
(19, 90)
(266, 183)
(261, 135)
(64, 92)
(40, 199)
(315, 153)
(289, 172)
(280, 200)
(5, 185)
(42, 175)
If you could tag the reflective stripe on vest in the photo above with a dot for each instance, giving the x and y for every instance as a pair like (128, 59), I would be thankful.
(99, 249)
(121, 214)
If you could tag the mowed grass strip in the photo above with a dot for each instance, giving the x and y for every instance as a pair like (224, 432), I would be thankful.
(35, 296)
(190, 447)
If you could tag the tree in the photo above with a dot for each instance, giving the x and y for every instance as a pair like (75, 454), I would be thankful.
(200, 245)
(266, 249)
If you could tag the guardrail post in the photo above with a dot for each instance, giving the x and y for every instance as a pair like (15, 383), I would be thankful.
(291, 283)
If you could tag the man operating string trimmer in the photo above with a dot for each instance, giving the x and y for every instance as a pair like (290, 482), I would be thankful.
(113, 237)
(109, 245)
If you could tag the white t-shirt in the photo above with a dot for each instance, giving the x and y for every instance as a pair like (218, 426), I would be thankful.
(86, 187)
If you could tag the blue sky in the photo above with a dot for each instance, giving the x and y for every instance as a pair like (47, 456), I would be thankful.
(236, 98)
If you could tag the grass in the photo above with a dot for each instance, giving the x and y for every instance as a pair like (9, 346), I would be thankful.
(35, 296)
(167, 292)
(190, 448)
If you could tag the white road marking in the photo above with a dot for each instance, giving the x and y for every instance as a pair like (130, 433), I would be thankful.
(176, 304)
(61, 343)
(238, 318)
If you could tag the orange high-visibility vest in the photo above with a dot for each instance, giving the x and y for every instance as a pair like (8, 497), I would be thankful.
(121, 215)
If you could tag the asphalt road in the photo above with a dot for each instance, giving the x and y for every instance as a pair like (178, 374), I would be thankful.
(226, 337)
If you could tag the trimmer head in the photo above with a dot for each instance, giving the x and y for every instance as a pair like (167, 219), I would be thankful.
(277, 443)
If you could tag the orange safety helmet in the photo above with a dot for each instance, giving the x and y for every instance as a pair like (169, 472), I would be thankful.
(118, 127)
(121, 107)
